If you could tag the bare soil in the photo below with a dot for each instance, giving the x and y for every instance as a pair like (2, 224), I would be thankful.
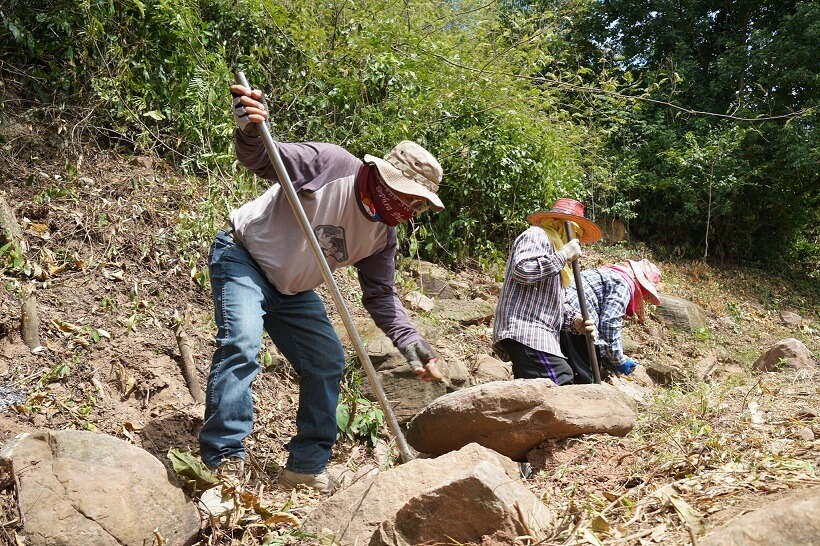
(114, 267)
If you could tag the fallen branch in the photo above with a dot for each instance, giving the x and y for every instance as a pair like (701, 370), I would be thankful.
(30, 321)
(188, 365)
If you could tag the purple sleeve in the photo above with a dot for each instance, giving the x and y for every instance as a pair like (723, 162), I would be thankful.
(308, 164)
(379, 297)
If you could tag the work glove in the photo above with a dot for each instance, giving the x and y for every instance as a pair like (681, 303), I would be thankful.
(422, 358)
(571, 250)
(626, 368)
(240, 114)
(586, 327)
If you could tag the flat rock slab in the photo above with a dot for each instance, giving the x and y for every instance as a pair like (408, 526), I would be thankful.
(391, 502)
(465, 312)
(78, 487)
(512, 417)
(792, 520)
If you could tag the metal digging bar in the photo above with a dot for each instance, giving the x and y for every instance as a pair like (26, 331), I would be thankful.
(582, 300)
(304, 223)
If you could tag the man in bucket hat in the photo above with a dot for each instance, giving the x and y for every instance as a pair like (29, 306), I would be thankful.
(612, 292)
(263, 277)
(531, 307)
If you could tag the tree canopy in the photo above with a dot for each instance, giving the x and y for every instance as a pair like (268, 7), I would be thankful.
(695, 123)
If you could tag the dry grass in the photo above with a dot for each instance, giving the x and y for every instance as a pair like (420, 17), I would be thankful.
(124, 252)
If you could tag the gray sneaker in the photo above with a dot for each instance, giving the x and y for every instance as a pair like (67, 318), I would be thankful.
(321, 482)
(232, 469)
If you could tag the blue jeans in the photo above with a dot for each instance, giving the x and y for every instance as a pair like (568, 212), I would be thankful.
(245, 302)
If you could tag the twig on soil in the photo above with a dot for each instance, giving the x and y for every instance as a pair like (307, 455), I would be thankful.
(633, 536)
(187, 360)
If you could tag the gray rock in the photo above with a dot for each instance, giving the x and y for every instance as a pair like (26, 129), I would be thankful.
(681, 314)
(491, 369)
(792, 520)
(465, 312)
(787, 353)
(661, 372)
(418, 301)
(629, 345)
(78, 487)
(406, 392)
(432, 280)
(512, 417)
(791, 319)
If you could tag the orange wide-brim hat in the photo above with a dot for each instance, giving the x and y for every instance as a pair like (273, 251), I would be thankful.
(573, 211)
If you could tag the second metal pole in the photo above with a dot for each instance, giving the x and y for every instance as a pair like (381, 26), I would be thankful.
(582, 300)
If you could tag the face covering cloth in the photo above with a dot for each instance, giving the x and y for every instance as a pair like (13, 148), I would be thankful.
(377, 197)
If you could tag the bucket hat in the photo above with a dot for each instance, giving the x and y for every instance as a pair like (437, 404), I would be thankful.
(409, 168)
(569, 209)
(647, 275)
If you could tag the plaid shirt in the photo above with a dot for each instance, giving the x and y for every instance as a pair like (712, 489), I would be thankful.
(607, 295)
(531, 308)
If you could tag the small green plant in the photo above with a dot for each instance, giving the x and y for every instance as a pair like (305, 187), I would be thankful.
(55, 193)
(359, 418)
(57, 372)
(702, 334)
(735, 311)
(265, 358)
(356, 416)
(13, 259)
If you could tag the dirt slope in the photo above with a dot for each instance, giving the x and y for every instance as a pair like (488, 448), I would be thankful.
(116, 252)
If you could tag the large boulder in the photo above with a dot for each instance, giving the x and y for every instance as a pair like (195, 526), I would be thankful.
(681, 314)
(488, 502)
(792, 520)
(78, 487)
(787, 353)
(459, 496)
(512, 417)
(406, 392)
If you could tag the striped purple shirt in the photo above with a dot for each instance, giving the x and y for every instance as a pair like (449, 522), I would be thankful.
(531, 308)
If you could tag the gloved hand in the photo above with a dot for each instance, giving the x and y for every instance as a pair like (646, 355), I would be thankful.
(586, 326)
(251, 111)
(422, 358)
(571, 250)
(626, 368)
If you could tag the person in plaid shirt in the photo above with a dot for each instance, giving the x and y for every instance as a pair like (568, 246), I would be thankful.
(612, 292)
(531, 307)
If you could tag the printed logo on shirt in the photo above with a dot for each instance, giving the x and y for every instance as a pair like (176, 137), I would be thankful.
(332, 242)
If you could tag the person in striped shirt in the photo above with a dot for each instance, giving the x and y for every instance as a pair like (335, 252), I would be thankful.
(612, 292)
(531, 306)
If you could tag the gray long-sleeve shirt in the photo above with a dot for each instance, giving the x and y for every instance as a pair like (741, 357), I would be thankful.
(324, 178)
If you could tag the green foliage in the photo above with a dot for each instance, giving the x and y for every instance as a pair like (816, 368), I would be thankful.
(719, 153)
(356, 416)
(189, 468)
(521, 102)
(153, 75)
(13, 259)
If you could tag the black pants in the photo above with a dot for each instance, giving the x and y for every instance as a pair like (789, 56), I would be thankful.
(575, 349)
(527, 363)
